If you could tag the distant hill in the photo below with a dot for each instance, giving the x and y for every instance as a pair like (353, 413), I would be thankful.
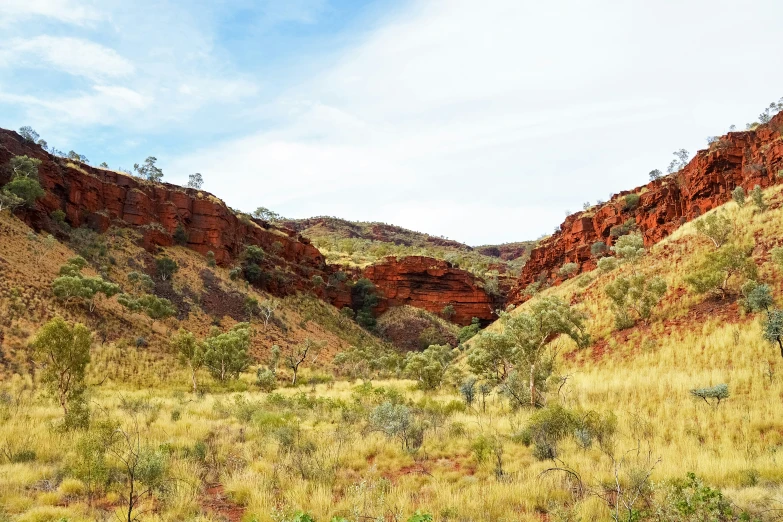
(356, 243)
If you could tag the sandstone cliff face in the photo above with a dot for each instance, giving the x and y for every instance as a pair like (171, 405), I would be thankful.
(430, 284)
(102, 198)
(742, 159)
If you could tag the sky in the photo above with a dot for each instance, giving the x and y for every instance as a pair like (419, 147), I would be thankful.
(481, 121)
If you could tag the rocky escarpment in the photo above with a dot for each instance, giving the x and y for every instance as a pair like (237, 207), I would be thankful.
(430, 284)
(742, 159)
(100, 198)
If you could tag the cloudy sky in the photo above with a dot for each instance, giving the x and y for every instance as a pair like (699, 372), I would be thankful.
(480, 120)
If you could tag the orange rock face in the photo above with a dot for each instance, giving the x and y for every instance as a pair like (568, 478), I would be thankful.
(743, 159)
(101, 198)
(430, 284)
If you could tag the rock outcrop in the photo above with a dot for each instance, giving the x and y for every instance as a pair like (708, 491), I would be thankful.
(742, 159)
(431, 284)
(101, 198)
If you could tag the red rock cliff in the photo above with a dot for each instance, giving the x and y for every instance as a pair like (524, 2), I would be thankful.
(430, 284)
(742, 159)
(101, 198)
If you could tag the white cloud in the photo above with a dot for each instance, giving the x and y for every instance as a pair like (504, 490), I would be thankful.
(464, 116)
(65, 11)
(71, 55)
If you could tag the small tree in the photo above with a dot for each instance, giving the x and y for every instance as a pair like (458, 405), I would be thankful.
(180, 236)
(295, 354)
(720, 267)
(716, 393)
(28, 134)
(524, 339)
(757, 196)
(195, 181)
(634, 297)
(189, 352)
(599, 249)
(679, 162)
(448, 312)
(568, 269)
(738, 195)
(63, 351)
(73, 286)
(265, 214)
(152, 306)
(631, 201)
(655, 175)
(166, 267)
(24, 188)
(226, 355)
(629, 247)
(716, 227)
(429, 367)
(211, 262)
(772, 328)
(140, 282)
(148, 170)
(9, 201)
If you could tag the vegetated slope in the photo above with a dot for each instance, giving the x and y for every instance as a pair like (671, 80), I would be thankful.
(161, 212)
(204, 297)
(644, 374)
(745, 159)
(353, 243)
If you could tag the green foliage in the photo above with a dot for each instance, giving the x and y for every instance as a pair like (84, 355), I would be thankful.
(24, 167)
(189, 352)
(364, 298)
(757, 296)
(265, 214)
(715, 273)
(717, 393)
(631, 201)
(427, 368)
(655, 175)
(629, 247)
(607, 264)
(738, 195)
(226, 355)
(140, 282)
(547, 427)
(772, 328)
(318, 281)
(466, 333)
(420, 516)
(468, 391)
(599, 249)
(568, 269)
(195, 181)
(716, 227)
(180, 236)
(634, 297)
(625, 228)
(211, 263)
(27, 190)
(63, 352)
(690, 499)
(73, 286)
(398, 421)
(148, 170)
(367, 361)
(154, 307)
(166, 267)
(757, 196)
(524, 339)
(777, 256)
(448, 312)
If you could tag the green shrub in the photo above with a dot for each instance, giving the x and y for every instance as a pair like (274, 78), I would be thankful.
(631, 201)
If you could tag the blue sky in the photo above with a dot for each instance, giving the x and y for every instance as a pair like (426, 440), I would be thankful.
(483, 121)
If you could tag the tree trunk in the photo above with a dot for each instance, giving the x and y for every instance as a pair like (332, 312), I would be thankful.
(532, 386)
(193, 378)
(296, 370)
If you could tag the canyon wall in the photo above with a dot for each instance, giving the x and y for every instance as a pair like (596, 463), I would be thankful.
(101, 198)
(430, 284)
(742, 159)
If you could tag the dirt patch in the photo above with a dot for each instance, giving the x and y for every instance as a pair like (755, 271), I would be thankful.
(214, 501)
(217, 302)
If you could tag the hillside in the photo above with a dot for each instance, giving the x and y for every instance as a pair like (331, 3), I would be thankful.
(352, 243)
(738, 159)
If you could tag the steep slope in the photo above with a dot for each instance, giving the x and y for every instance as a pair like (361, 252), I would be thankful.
(742, 159)
(100, 199)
